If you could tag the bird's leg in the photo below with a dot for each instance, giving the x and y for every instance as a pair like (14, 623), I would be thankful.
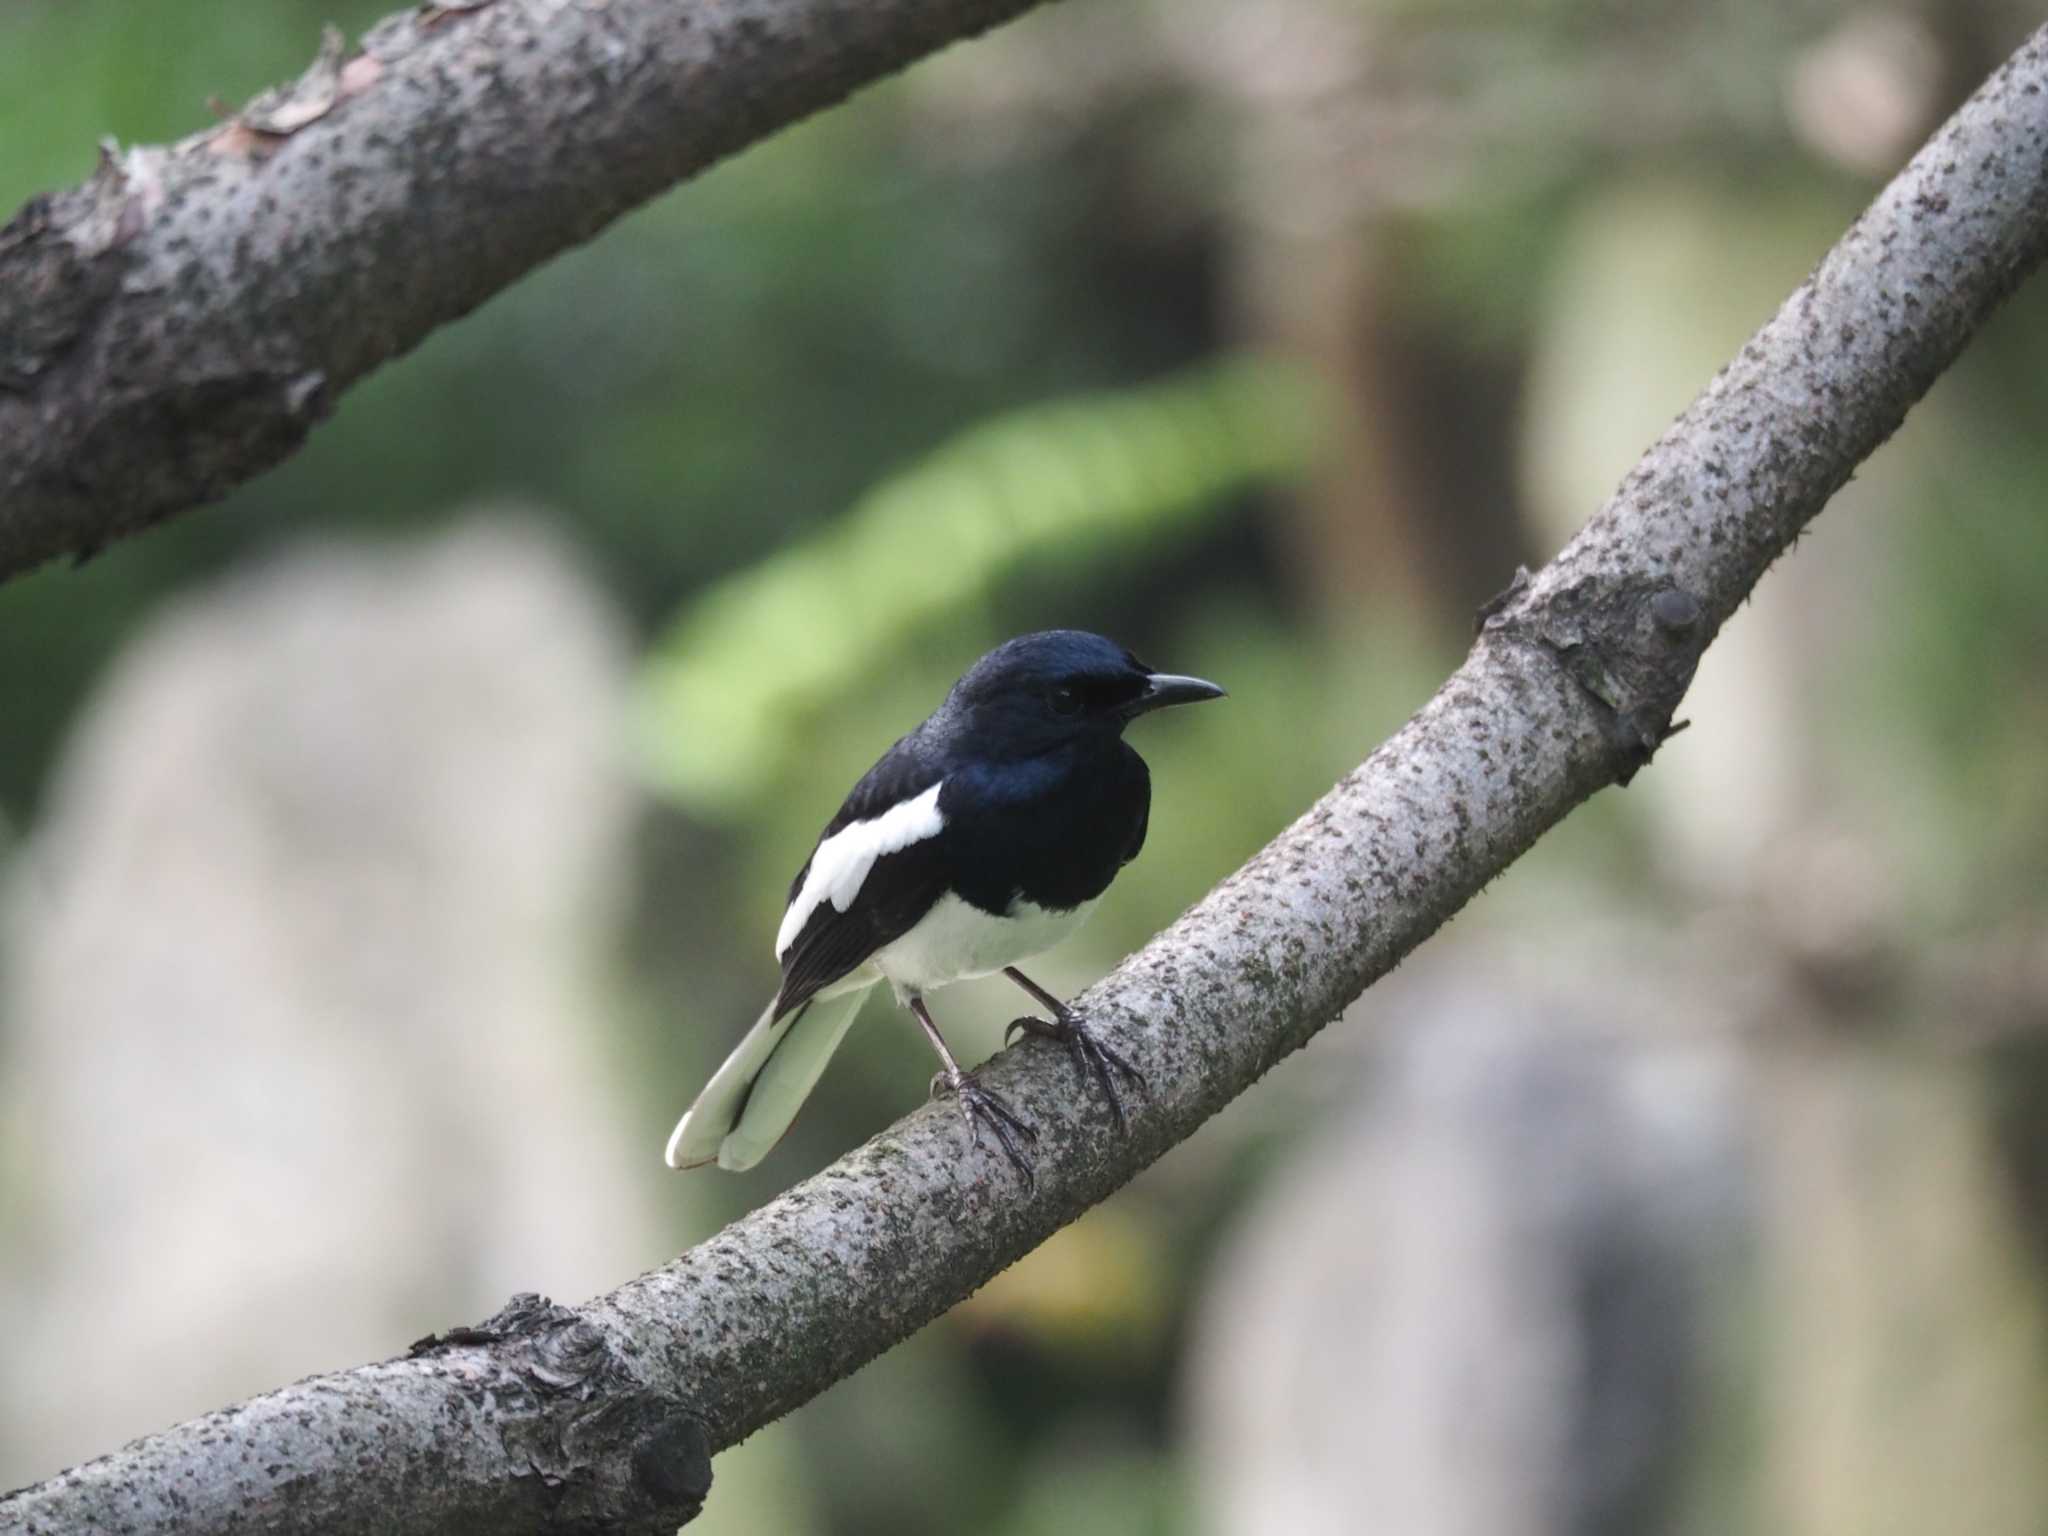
(1082, 1043)
(980, 1106)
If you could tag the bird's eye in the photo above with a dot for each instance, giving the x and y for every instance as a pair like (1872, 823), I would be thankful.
(1065, 700)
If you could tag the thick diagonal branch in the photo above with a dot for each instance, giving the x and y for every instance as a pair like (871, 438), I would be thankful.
(180, 322)
(558, 1418)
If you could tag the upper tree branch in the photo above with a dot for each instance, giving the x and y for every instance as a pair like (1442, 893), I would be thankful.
(180, 322)
(558, 1419)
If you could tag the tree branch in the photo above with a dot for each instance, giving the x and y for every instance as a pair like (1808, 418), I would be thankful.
(552, 1419)
(181, 321)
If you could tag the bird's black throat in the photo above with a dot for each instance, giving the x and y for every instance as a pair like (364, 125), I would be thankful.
(1052, 830)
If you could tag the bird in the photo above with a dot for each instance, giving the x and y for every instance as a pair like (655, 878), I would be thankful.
(979, 840)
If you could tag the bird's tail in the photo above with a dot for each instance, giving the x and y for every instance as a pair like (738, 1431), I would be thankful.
(751, 1099)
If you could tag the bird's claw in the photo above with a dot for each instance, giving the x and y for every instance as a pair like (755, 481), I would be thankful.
(1089, 1053)
(1013, 1133)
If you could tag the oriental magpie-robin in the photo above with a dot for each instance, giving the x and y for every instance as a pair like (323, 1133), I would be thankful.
(980, 839)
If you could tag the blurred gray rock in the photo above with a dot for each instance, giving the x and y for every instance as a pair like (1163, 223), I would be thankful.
(1900, 1315)
(306, 1051)
(1480, 1304)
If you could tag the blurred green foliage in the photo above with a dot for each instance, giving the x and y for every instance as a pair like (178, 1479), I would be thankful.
(724, 370)
(727, 687)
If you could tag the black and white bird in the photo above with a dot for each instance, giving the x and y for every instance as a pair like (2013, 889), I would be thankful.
(979, 840)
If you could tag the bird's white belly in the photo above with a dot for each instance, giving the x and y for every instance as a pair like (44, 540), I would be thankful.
(956, 940)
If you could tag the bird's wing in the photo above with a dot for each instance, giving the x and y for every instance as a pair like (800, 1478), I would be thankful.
(877, 869)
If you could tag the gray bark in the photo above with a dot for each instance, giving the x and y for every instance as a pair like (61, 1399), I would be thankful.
(181, 321)
(555, 1418)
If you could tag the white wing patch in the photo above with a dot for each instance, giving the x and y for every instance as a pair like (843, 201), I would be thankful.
(843, 860)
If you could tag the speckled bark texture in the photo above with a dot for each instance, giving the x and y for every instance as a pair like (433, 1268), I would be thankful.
(182, 320)
(548, 1418)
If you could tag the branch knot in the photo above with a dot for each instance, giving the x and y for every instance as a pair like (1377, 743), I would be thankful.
(1631, 645)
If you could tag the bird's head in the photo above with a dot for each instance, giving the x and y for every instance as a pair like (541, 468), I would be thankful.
(1038, 691)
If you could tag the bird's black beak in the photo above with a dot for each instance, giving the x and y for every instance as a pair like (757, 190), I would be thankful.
(1164, 688)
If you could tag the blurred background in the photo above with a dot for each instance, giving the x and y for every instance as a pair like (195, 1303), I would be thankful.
(387, 854)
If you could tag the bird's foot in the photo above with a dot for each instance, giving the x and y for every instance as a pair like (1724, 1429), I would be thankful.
(1089, 1052)
(1013, 1133)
